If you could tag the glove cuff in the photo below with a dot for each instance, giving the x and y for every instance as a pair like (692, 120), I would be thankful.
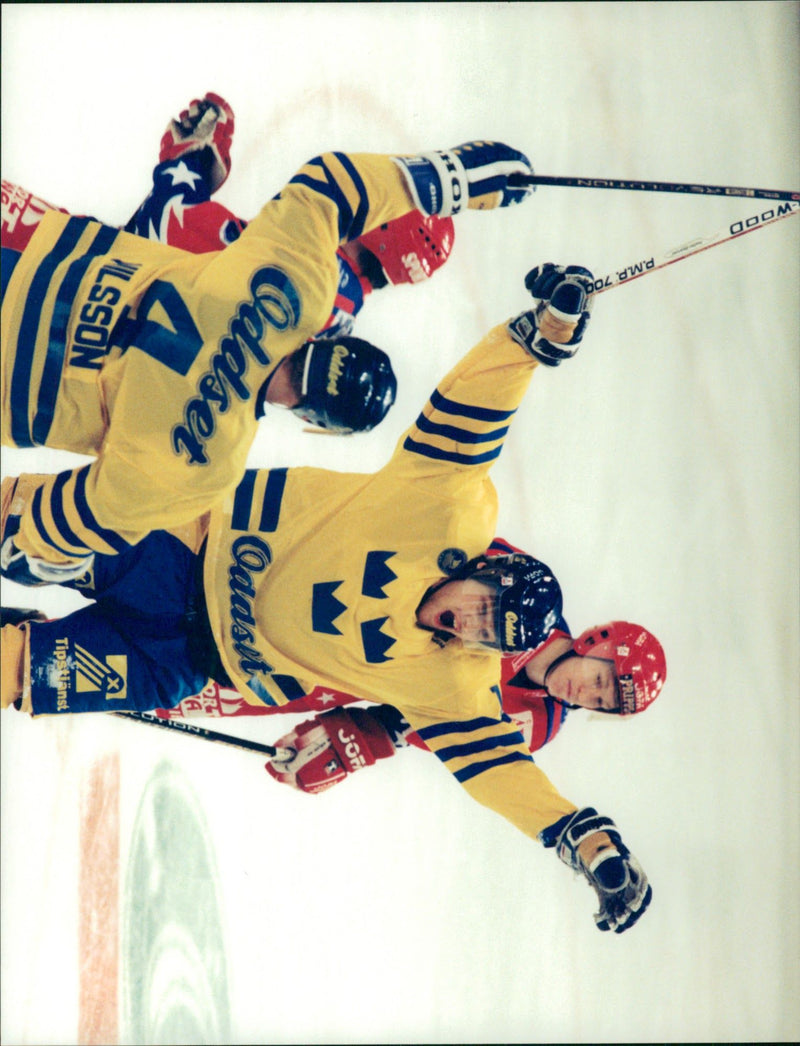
(437, 182)
(524, 329)
(580, 838)
(549, 836)
(394, 723)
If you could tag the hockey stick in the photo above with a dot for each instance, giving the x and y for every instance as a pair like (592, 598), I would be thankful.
(207, 735)
(678, 187)
(701, 243)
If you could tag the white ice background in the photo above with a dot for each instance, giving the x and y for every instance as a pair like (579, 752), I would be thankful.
(657, 474)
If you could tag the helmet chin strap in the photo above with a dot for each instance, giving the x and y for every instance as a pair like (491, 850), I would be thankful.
(554, 664)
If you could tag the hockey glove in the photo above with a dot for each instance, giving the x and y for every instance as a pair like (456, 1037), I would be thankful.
(552, 331)
(16, 565)
(206, 124)
(30, 570)
(590, 844)
(325, 749)
(474, 175)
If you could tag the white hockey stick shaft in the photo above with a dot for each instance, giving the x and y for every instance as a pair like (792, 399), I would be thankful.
(765, 217)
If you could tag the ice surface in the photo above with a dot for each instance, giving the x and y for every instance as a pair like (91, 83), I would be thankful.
(657, 474)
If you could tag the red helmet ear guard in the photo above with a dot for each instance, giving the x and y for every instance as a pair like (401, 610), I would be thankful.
(638, 658)
(410, 249)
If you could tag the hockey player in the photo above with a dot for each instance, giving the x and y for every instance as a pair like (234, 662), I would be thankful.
(406, 612)
(537, 688)
(180, 211)
(173, 420)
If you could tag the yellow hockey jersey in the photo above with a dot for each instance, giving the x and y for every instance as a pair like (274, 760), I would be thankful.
(151, 358)
(314, 577)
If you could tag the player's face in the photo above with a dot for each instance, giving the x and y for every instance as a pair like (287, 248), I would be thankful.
(586, 681)
(463, 608)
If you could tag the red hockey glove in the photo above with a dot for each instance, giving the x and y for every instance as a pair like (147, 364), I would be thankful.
(329, 747)
(206, 124)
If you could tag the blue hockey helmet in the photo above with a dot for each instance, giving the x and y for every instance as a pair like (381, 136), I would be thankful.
(527, 599)
(348, 385)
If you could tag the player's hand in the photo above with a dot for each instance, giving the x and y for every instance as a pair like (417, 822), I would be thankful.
(475, 175)
(552, 331)
(207, 124)
(325, 749)
(591, 845)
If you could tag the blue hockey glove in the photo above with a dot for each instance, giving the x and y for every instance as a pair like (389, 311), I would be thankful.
(474, 175)
(552, 331)
(590, 844)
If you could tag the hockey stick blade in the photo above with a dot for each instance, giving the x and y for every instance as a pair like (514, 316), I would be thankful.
(207, 735)
(636, 185)
(695, 246)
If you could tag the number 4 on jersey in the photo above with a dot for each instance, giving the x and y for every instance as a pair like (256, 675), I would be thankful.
(176, 345)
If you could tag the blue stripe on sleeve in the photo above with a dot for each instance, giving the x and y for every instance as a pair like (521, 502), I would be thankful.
(357, 224)
(458, 434)
(486, 744)
(56, 347)
(38, 521)
(57, 509)
(8, 260)
(465, 410)
(463, 727)
(29, 327)
(328, 187)
(273, 497)
(243, 501)
(111, 537)
(479, 768)
(438, 454)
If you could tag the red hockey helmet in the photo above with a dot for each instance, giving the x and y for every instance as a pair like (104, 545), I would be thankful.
(410, 249)
(638, 658)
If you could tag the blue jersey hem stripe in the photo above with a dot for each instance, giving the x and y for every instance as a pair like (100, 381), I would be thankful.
(21, 378)
(289, 686)
(57, 344)
(8, 261)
